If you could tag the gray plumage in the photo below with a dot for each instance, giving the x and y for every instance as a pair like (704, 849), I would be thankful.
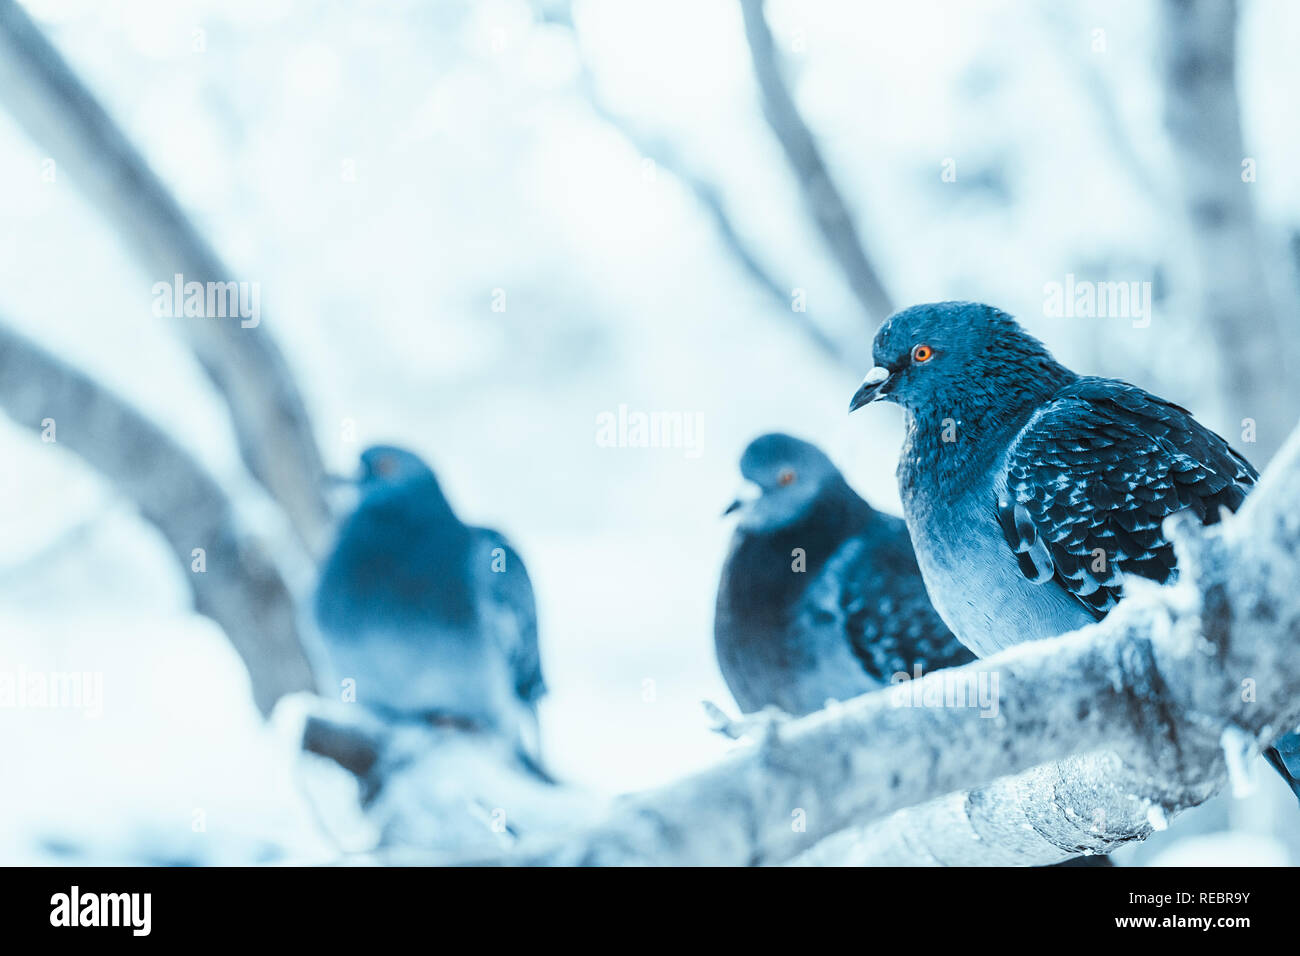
(433, 619)
(852, 619)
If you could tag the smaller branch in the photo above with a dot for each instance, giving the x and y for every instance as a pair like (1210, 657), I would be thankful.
(763, 725)
(823, 199)
(710, 198)
(240, 589)
(707, 194)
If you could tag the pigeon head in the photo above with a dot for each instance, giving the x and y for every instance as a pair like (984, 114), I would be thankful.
(390, 466)
(392, 474)
(784, 477)
(957, 358)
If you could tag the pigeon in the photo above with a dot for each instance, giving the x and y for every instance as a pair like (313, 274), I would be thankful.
(1032, 493)
(820, 597)
(434, 620)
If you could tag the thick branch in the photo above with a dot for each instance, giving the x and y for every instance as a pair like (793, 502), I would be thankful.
(1079, 806)
(269, 416)
(825, 202)
(876, 755)
(241, 589)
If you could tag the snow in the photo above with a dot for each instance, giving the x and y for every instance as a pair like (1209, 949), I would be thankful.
(1241, 754)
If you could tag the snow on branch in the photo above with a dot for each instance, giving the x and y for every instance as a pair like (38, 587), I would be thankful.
(823, 199)
(1144, 702)
(270, 418)
(238, 586)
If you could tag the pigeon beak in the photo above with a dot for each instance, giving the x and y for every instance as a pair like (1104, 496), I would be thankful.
(871, 388)
(335, 480)
(340, 491)
(749, 493)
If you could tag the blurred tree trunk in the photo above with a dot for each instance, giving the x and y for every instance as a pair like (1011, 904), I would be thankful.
(1221, 248)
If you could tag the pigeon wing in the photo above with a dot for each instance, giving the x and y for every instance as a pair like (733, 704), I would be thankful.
(1092, 476)
(871, 593)
(510, 593)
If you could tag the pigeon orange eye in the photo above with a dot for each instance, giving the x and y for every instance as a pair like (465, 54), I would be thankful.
(922, 353)
(786, 477)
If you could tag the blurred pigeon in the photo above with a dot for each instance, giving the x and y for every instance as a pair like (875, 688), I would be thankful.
(434, 619)
(820, 596)
(1030, 491)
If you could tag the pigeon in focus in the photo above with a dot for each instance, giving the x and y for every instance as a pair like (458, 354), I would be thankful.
(433, 619)
(1031, 492)
(820, 597)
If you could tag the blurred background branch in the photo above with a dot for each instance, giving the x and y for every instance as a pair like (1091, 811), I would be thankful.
(1224, 265)
(266, 408)
(661, 151)
(237, 584)
(822, 197)
(1101, 94)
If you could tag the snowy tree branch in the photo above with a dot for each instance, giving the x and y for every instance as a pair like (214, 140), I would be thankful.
(1078, 806)
(825, 202)
(1145, 701)
(239, 588)
(446, 790)
(270, 418)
